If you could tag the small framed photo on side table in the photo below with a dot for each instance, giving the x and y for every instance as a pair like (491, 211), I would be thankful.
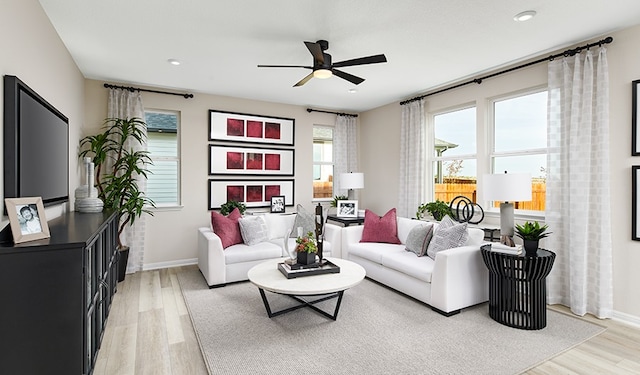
(347, 209)
(27, 219)
(277, 204)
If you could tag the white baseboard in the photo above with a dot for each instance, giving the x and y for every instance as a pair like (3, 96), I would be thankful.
(626, 318)
(173, 263)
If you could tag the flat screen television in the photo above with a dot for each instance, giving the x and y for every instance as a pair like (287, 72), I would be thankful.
(36, 145)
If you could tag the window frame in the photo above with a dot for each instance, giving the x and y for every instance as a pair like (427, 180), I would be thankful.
(324, 163)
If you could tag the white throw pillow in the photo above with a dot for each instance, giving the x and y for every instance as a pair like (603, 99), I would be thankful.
(448, 235)
(277, 225)
(253, 230)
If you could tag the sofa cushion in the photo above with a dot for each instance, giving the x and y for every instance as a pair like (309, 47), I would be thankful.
(304, 219)
(409, 264)
(419, 238)
(226, 227)
(380, 229)
(374, 251)
(448, 235)
(242, 253)
(253, 230)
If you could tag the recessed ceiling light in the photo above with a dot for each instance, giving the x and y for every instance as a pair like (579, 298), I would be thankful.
(173, 62)
(352, 91)
(524, 16)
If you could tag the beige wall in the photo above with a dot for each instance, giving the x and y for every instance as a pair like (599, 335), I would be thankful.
(171, 233)
(380, 136)
(32, 51)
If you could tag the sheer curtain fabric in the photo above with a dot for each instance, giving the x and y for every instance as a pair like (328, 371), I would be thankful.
(127, 104)
(413, 156)
(345, 152)
(577, 197)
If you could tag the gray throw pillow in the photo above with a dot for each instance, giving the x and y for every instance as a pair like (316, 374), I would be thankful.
(448, 235)
(305, 220)
(253, 230)
(418, 239)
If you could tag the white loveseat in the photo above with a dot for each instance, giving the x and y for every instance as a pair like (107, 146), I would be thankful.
(456, 279)
(220, 266)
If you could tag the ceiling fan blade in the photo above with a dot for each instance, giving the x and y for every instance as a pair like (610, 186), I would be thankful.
(349, 77)
(316, 51)
(284, 66)
(304, 80)
(375, 59)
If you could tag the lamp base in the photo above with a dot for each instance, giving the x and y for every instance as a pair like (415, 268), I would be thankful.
(506, 224)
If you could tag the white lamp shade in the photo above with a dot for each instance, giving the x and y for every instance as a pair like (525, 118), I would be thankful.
(507, 187)
(351, 180)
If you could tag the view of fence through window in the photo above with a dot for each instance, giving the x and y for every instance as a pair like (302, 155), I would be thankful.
(322, 162)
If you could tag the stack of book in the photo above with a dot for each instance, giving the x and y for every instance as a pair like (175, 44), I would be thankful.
(297, 270)
(498, 247)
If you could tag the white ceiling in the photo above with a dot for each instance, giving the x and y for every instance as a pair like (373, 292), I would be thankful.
(428, 43)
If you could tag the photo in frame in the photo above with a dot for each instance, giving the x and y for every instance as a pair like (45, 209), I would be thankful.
(635, 117)
(277, 204)
(27, 219)
(253, 193)
(347, 208)
(244, 127)
(635, 202)
(250, 161)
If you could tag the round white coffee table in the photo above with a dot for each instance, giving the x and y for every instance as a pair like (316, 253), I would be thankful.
(266, 276)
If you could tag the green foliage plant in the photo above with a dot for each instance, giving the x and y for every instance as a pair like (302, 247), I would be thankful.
(306, 244)
(226, 208)
(532, 231)
(334, 202)
(437, 209)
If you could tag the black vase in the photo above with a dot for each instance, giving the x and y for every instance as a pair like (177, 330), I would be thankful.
(531, 247)
(306, 258)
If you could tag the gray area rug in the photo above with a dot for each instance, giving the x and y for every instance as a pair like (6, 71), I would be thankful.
(378, 331)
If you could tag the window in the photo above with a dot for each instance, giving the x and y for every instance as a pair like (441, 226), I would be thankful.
(454, 154)
(520, 142)
(322, 162)
(162, 144)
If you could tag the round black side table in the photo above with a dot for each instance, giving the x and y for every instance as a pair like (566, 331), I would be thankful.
(517, 287)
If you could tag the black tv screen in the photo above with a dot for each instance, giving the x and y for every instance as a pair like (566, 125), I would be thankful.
(36, 145)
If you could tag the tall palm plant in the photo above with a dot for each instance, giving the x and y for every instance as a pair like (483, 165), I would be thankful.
(118, 166)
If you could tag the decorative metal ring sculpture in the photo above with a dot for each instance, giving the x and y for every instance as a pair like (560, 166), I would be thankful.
(463, 210)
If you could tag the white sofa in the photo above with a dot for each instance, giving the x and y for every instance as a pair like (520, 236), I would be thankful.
(456, 279)
(221, 266)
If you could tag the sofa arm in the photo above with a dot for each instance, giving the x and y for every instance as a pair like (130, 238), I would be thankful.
(350, 235)
(333, 235)
(459, 279)
(211, 257)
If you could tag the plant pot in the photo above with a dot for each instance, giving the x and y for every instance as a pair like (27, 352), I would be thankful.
(123, 258)
(306, 258)
(531, 247)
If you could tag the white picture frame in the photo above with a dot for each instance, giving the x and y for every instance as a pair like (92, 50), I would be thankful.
(347, 208)
(27, 219)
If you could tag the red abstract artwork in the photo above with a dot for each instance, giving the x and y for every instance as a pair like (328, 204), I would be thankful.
(254, 161)
(235, 160)
(254, 129)
(272, 130)
(272, 162)
(235, 193)
(254, 194)
(235, 127)
(271, 191)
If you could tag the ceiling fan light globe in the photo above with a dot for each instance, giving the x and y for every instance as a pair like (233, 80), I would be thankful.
(322, 73)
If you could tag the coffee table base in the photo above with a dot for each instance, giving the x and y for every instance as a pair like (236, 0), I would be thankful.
(305, 303)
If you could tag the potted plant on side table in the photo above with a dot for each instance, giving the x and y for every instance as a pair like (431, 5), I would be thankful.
(437, 209)
(118, 167)
(531, 234)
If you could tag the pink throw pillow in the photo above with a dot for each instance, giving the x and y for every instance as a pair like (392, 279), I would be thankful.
(380, 229)
(227, 227)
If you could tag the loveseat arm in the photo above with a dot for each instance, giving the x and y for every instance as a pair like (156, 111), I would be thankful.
(459, 279)
(211, 257)
(350, 235)
(333, 235)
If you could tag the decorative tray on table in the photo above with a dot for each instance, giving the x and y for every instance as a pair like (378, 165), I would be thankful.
(298, 270)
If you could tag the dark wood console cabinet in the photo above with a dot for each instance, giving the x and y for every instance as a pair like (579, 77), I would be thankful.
(55, 295)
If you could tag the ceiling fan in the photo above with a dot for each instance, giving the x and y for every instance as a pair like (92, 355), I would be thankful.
(323, 68)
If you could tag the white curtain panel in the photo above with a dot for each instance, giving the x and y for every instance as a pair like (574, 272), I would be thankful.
(577, 198)
(413, 158)
(345, 151)
(127, 104)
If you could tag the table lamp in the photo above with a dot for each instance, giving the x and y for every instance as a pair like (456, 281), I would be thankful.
(507, 188)
(350, 181)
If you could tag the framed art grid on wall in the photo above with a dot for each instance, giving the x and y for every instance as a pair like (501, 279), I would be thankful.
(248, 128)
(635, 210)
(253, 193)
(635, 132)
(250, 161)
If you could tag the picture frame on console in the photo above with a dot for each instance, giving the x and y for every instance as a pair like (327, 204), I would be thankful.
(277, 204)
(347, 208)
(27, 219)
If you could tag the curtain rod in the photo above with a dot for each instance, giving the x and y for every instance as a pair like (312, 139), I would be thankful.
(132, 89)
(333, 113)
(569, 52)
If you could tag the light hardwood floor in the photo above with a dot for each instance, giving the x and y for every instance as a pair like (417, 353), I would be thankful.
(149, 332)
